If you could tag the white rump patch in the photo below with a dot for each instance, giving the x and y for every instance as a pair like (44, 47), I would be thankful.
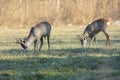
(108, 23)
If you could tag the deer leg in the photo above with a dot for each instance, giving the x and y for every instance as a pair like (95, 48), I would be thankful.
(92, 36)
(95, 39)
(35, 45)
(41, 43)
(38, 44)
(91, 39)
(48, 43)
(107, 38)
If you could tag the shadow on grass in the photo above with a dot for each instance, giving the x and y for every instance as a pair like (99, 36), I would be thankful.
(69, 51)
(86, 51)
(111, 41)
(59, 68)
(70, 67)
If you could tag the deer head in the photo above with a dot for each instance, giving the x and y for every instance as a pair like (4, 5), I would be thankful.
(22, 43)
(83, 40)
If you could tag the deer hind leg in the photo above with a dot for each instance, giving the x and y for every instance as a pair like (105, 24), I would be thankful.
(48, 43)
(107, 38)
(41, 43)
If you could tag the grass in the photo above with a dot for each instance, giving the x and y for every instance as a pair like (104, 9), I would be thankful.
(67, 60)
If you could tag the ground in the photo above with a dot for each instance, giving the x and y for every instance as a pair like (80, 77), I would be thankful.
(67, 60)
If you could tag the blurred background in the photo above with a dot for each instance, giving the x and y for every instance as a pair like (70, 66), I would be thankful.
(25, 13)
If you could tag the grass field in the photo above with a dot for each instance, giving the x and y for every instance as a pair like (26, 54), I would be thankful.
(67, 60)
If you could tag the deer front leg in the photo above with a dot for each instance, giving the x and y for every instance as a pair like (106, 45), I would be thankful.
(92, 36)
(91, 39)
(35, 45)
(95, 39)
(41, 43)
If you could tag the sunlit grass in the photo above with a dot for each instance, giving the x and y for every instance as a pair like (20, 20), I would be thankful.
(67, 60)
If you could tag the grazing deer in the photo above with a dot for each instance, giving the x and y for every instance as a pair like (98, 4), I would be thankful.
(36, 35)
(94, 28)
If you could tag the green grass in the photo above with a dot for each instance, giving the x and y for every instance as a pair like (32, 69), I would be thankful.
(67, 60)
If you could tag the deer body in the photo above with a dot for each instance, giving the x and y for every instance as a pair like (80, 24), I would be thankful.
(36, 35)
(94, 28)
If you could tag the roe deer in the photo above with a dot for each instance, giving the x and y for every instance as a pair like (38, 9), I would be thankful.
(36, 35)
(94, 28)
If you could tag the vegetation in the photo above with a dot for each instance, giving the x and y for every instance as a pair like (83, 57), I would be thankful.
(67, 59)
(25, 13)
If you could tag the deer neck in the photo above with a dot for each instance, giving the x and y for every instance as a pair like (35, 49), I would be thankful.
(29, 40)
(85, 34)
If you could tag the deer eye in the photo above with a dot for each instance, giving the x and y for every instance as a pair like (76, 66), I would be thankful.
(24, 41)
(84, 39)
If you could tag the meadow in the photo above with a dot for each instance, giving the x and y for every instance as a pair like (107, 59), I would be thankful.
(67, 60)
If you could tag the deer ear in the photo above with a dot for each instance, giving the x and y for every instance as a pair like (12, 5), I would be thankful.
(23, 41)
